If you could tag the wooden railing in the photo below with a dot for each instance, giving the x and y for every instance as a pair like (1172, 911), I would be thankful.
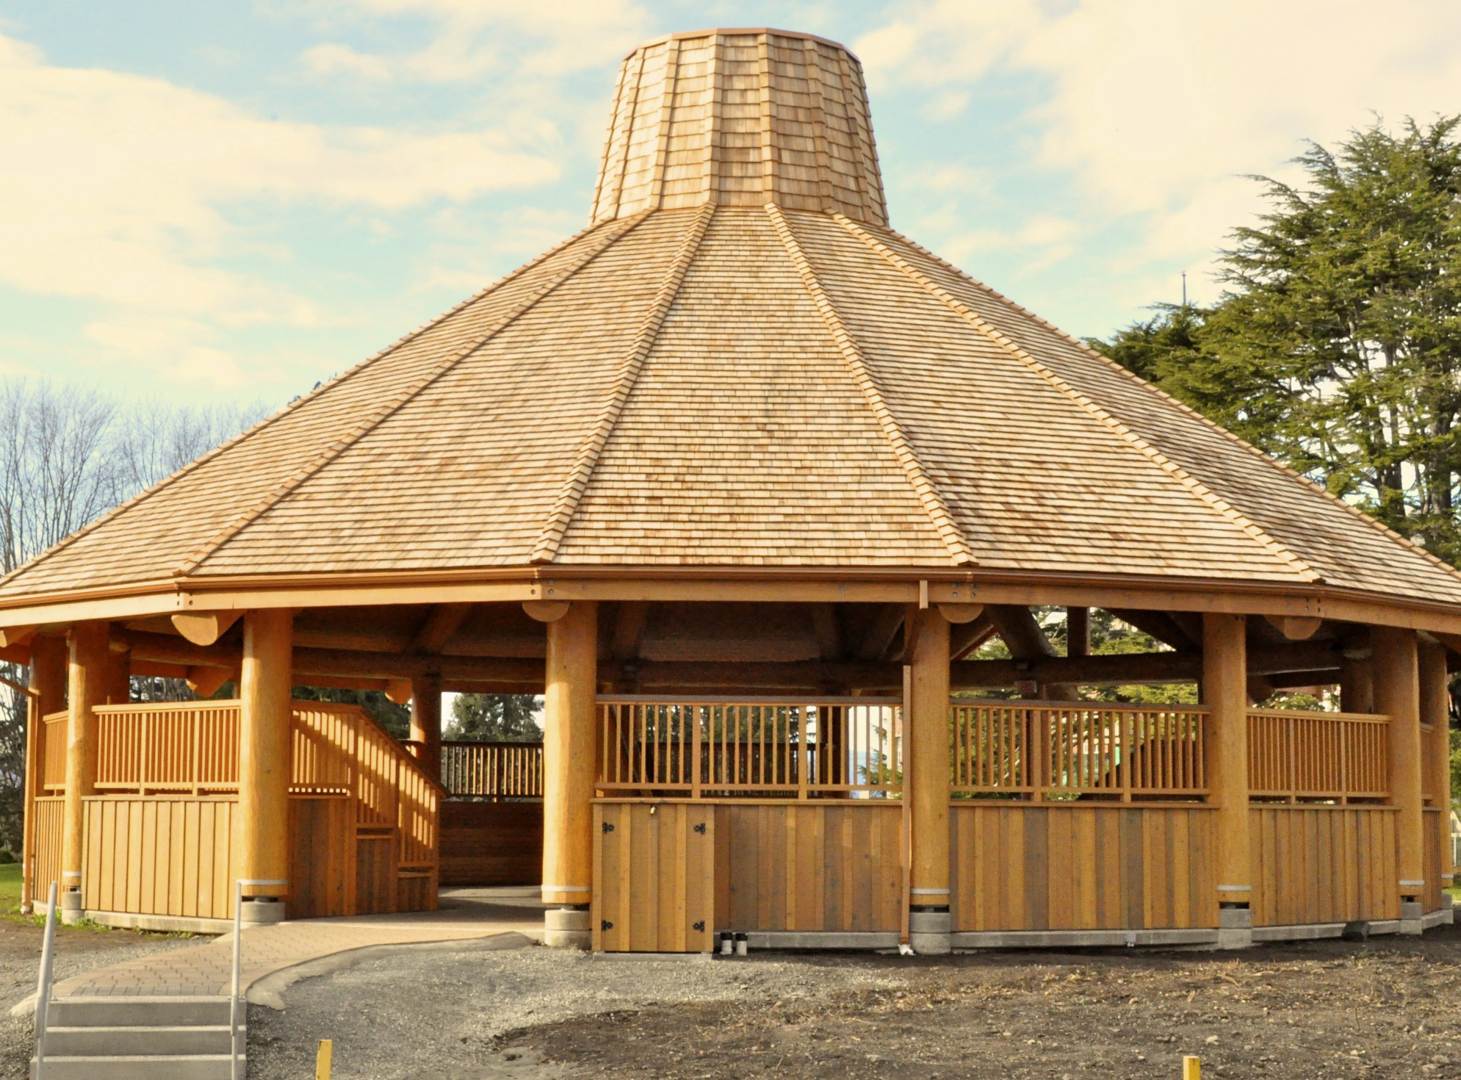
(780, 748)
(53, 751)
(1317, 756)
(1039, 750)
(492, 770)
(187, 748)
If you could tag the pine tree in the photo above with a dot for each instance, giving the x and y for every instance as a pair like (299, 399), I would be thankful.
(494, 718)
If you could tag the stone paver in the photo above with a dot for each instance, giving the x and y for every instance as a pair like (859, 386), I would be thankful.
(206, 969)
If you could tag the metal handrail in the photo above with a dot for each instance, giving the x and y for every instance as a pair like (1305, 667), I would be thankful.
(233, 1002)
(44, 980)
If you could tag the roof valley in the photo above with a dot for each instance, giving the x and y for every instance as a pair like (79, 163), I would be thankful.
(581, 471)
(922, 484)
(373, 420)
(1185, 479)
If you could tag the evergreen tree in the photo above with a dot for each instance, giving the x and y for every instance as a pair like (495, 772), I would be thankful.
(494, 718)
(395, 719)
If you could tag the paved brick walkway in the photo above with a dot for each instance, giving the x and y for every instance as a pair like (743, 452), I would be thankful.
(205, 969)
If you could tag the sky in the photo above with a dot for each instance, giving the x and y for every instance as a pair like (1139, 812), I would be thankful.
(210, 202)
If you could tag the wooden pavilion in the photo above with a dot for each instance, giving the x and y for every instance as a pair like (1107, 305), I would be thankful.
(738, 478)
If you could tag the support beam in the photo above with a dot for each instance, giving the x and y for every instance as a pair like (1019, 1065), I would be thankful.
(629, 623)
(207, 681)
(90, 666)
(1435, 710)
(569, 708)
(1163, 627)
(881, 629)
(439, 627)
(964, 639)
(926, 771)
(545, 611)
(119, 678)
(958, 614)
(1295, 627)
(262, 861)
(204, 627)
(1224, 692)
(1356, 684)
(426, 723)
(1077, 631)
(826, 630)
(48, 663)
(399, 691)
(1397, 695)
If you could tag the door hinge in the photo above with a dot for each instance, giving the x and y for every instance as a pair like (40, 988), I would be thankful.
(699, 924)
(605, 924)
(700, 828)
(608, 826)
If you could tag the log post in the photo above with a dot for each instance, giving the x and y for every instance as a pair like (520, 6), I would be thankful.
(1356, 687)
(1435, 709)
(426, 723)
(926, 781)
(1397, 695)
(119, 677)
(569, 706)
(88, 670)
(264, 764)
(1225, 696)
(48, 659)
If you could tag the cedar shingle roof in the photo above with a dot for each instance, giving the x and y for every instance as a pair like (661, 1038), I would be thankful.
(739, 364)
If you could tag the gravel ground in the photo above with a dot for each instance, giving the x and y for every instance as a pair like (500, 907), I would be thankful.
(453, 1010)
(1388, 1008)
(77, 950)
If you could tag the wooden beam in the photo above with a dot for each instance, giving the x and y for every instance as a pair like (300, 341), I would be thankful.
(1077, 631)
(1295, 628)
(968, 637)
(17, 635)
(1020, 631)
(958, 614)
(826, 630)
(546, 611)
(1225, 694)
(881, 629)
(206, 681)
(1397, 695)
(399, 690)
(569, 746)
(443, 621)
(1161, 625)
(629, 623)
(262, 857)
(204, 627)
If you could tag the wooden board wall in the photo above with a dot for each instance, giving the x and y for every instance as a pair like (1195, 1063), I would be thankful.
(159, 856)
(1082, 867)
(1435, 883)
(1323, 864)
(320, 855)
(491, 843)
(46, 844)
(653, 887)
(809, 866)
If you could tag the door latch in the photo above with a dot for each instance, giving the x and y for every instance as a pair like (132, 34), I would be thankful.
(700, 828)
(698, 924)
(605, 924)
(608, 826)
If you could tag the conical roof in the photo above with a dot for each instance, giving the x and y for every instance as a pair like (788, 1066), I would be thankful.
(738, 364)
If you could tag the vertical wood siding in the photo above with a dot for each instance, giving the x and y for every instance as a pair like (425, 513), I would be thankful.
(1074, 867)
(46, 843)
(1323, 864)
(653, 877)
(159, 856)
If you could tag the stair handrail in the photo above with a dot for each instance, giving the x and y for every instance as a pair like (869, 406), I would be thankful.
(233, 1001)
(44, 981)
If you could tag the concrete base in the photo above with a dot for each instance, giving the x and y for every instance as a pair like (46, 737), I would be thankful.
(1412, 918)
(821, 939)
(1440, 917)
(166, 924)
(1235, 928)
(70, 908)
(262, 912)
(1081, 939)
(567, 928)
(930, 933)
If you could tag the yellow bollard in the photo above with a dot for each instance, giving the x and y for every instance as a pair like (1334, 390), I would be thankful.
(1191, 1067)
(326, 1053)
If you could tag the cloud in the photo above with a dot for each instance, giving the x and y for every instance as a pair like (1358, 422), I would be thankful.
(471, 38)
(1043, 240)
(1153, 109)
(118, 189)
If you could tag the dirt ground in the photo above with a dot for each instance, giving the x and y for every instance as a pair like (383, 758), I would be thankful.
(1389, 1007)
(77, 950)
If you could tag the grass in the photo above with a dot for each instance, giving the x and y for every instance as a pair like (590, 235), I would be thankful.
(9, 887)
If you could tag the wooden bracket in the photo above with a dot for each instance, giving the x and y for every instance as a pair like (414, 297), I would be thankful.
(1296, 627)
(545, 610)
(961, 613)
(204, 627)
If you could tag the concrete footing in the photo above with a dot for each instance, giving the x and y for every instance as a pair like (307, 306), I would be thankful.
(70, 907)
(930, 933)
(1235, 927)
(263, 911)
(567, 928)
(1412, 918)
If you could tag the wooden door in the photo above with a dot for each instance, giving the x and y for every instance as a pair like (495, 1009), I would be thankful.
(654, 877)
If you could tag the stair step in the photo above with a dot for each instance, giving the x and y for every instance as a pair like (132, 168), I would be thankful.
(133, 1039)
(141, 1067)
(80, 1012)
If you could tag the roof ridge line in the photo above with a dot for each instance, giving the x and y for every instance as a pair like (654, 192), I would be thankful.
(290, 407)
(341, 443)
(1095, 354)
(565, 506)
(1132, 438)
(923, 486)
